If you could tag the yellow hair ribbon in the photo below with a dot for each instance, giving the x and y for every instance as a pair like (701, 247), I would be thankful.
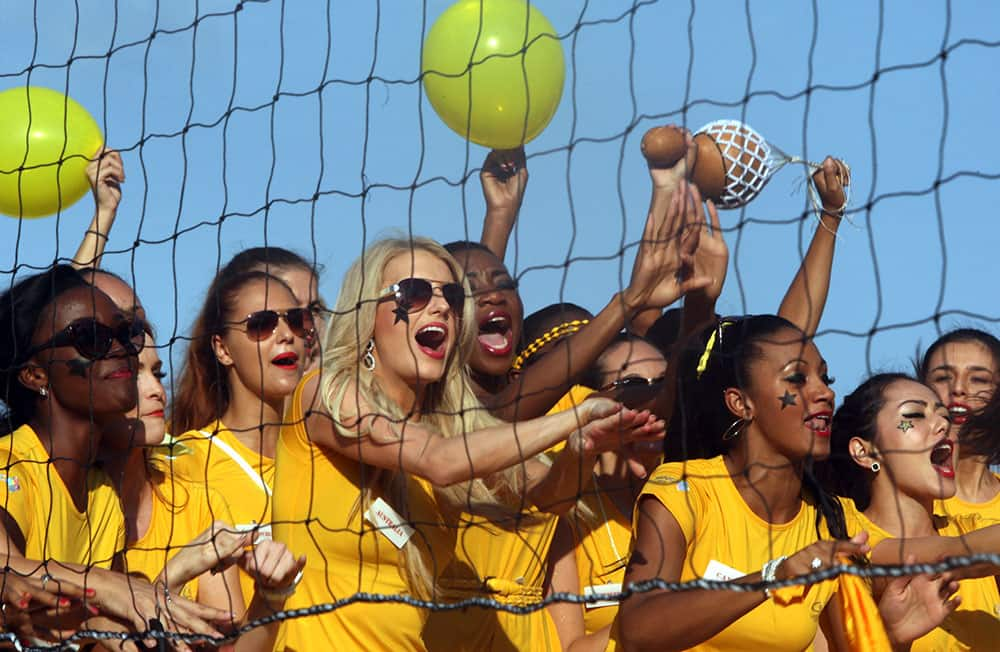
(707, 354)
(554, 333)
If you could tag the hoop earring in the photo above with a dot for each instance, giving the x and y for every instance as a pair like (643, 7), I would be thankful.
(734, 430)
(44, 392)
(368, 359)
(876, 467)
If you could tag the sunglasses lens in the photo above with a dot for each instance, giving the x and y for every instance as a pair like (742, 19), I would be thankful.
(454, 294)
(91, 339)
(261, 324)
(300, 321)
(414, 293)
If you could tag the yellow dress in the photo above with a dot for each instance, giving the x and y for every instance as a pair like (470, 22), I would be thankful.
(316, 514)
(974, 625)
(602, 548)
(505, 562)
(221, 462)
(726, 540)
(34, 495)
(181, 511)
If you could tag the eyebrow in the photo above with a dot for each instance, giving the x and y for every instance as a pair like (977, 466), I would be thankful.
(950, 367)
(914, 400)
(795, 361)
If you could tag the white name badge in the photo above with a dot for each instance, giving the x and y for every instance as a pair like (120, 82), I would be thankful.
(716, 570)
(600, 590)
(263, 531)
(389, 523)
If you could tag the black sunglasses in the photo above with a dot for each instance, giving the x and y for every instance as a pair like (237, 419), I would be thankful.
(93, 340)
(261, 325)
(413, 294)
(633, 382)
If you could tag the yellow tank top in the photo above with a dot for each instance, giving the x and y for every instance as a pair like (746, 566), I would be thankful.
(220, 461)
(316, 513)
(505, 562)
(34, 495)
(181, 511)
(989, 511)
(974, 625)
(726, 540)
(602, 550)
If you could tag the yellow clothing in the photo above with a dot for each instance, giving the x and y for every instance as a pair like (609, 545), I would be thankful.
(316, 514)
(220, 462)
(989, 511)
(726, 540)
(34, 495)
(505, 562)
(974, 625)
(181, 511)
(602, 548)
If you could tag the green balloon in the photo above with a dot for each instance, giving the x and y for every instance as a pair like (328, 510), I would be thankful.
(43, 159)
(516, 72)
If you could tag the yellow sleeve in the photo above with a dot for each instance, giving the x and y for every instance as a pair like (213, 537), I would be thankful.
(682, 498)
(18, 490)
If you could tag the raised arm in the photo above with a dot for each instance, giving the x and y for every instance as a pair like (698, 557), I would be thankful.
(661, 274)
(504, 178)
(806, 297)
(106, 174)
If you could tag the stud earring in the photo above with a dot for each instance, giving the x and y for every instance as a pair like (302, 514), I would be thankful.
(44, 392)
(876, 467)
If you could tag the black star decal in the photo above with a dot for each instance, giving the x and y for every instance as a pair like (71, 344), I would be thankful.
(787, 399)
(401, 315)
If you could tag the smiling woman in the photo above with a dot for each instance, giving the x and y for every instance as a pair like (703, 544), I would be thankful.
(246, 356)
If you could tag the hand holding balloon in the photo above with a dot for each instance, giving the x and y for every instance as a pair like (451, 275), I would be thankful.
(106, 173)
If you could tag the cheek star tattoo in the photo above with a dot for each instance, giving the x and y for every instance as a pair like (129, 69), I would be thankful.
(905, 425)
(401, 315)
(787, 399)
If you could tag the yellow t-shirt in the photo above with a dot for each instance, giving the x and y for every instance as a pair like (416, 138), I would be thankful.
(181, 511)
(988, 511)
(33, 493)
(602, 549)
(221, 462)
(506, 562)
(316, 514)
(974, 625)
(726, 540)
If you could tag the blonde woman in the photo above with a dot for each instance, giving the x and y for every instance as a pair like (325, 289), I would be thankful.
(391, 429)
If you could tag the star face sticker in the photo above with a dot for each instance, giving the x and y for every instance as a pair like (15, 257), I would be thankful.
(905, 425)
(787, 399)
(401, 315)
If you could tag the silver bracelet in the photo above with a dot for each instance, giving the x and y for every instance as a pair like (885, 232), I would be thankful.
(769, 572)
(277, 595)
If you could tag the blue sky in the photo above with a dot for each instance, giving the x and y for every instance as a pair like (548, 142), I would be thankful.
(380, 159)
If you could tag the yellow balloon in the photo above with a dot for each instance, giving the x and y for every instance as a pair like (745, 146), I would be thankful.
(516, 71)
(43, 160)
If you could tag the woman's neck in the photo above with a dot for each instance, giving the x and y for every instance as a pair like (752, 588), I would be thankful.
(897, 513)
(72, 446)
(485, 385)
(130, 475)
(974, 481)
(408, 398)
(255, 422)
(770, 483)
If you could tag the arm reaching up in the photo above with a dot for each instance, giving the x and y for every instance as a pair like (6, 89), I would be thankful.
(106, 174)
(504, 178)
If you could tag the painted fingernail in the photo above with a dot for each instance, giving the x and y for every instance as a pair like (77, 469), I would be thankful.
(23, 604)
(91, 593)
(63, 602)
(93, 610)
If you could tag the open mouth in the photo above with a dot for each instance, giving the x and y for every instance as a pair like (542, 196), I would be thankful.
(431, 340)
(495, 333)
(819, 423)
(942, 456)
(287, 360)
(959, 413)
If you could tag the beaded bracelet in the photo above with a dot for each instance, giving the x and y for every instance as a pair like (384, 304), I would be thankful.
(769, 572)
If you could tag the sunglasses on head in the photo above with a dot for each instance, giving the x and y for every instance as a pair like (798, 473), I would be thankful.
(94, 340)
(413, 294)
(633, 382)
(634, 391)
(261, 325)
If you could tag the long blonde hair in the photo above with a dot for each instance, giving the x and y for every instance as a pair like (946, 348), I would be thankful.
(449, 406)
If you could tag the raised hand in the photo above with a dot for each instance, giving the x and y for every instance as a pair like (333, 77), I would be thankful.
(664, 265)
(913, 605)
(106, 173)
(613, 427)
(711, 258)
(669, 178)
(504, 178)
(832, 179)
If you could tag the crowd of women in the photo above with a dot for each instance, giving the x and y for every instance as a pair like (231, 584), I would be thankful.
(422, 467)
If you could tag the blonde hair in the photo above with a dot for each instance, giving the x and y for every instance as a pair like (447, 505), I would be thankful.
(449, 406)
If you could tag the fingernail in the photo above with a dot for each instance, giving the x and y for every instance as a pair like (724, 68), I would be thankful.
(91, 592)
(93, 610)
(23, 604)
(63, 602)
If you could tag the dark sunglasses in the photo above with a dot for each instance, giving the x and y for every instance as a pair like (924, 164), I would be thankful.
(93, 340)
(261, 325)
(413, 294)
(633, 382)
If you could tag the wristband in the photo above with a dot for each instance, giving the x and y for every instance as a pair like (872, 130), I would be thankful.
(769, 572)
(279, 595)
